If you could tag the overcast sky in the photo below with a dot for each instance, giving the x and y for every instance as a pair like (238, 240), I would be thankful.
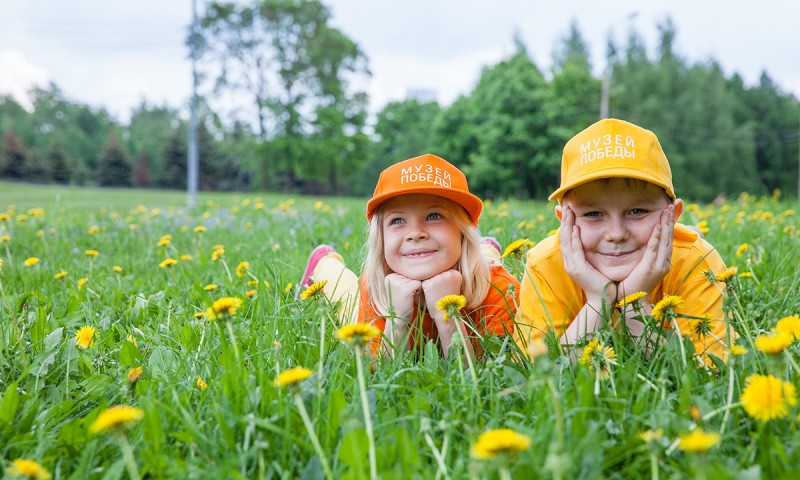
(114, 54)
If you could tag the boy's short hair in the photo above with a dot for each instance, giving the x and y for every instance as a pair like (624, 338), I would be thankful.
(613, 148)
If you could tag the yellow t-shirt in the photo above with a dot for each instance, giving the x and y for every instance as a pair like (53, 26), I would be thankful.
(550, 299)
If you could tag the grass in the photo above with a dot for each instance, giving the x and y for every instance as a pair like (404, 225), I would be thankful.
(425, 412)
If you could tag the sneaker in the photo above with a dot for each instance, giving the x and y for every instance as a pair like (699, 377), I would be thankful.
(491, 241)
(313, 260)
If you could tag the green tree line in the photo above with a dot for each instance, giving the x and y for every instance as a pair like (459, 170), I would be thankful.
(294, 119)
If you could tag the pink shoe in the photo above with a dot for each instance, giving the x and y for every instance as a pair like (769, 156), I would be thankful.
(313, 260)
(493, 242)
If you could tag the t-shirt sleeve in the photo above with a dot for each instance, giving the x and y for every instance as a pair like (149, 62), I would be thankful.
(368, 314)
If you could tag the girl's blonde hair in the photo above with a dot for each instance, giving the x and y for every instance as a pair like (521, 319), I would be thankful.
(472, 265)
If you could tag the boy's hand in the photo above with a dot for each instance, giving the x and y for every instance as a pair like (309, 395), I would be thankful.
(438, 286)
(402, 293)
(577, 267)
(655, 262)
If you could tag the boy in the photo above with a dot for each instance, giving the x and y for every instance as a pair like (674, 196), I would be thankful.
(619, 235)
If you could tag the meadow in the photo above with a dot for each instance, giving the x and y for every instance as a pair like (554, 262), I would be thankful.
(112, 367)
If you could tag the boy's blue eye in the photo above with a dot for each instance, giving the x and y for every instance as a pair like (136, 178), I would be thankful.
(592, 214)
(638, 211)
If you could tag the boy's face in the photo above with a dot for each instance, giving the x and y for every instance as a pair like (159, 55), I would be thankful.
(420, 240)
(616, 219)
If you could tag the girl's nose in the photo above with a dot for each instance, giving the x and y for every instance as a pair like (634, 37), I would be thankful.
(416, 232)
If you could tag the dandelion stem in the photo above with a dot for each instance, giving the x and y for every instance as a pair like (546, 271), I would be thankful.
(504, 473)
(730, 398)
(723, 408)
(127, 454)
(229, 327)
(314, 440)
(373, 466)
(438, 456)
(680, 339)
(653, 466)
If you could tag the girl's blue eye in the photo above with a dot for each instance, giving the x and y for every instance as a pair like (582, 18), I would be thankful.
(396, 221)
(435, 216)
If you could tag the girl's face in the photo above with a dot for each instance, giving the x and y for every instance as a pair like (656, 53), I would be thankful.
(420, 239)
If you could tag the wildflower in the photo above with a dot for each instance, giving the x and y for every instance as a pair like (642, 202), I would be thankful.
(288, 287)
(210, 286)
(5, 239)
(766, 397)
(726, 274)
(789, 326)
(31, 261)
(186, 258)
(698, 441)
(117, 269)
(4, 217)
(91, 253)
(450, 305)
(742, 248)
(223, 308)
(132, 339)
(164, 241)
(81, 282)
(40, 233)
(199, 229)
(773, 344)
(250, 293)
(357, 333)
(665, 309)
(93, 229)
(60, 275)
(85, 336)
(201, 384)
(36, 212)
(167, 262)
(746, 274)
(242, 268)
(22, 217)
(648, 436)
(738, 350)
(701, 327)
(703, 227)
(217, 253)
(134, 374)
(632, 299)
(199, 314)
(499, 441)
(292, 376)
(116, 416)
(313, 290)
(597, 355)
(516, 247)
(28, 468)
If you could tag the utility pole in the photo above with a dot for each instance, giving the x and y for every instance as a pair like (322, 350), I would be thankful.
(605, 86)
(191, 175)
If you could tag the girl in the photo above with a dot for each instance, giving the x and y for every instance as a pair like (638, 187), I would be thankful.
(423, 245)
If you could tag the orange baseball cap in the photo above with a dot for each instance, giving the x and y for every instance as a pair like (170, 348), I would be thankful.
(613, 148)
(426, 174)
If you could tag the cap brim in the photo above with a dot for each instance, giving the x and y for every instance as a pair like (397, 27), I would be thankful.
(608, 174)
(472, 204)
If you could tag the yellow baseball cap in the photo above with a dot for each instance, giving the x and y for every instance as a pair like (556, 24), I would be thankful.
(426, 174)
(613, 148)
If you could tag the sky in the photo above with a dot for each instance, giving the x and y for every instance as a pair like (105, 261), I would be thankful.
(115, 55)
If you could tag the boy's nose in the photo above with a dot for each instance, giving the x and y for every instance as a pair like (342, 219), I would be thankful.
(616, 231)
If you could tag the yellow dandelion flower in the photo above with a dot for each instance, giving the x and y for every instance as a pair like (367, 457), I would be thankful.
(726, 274)
(4, 239)
(134, 374)
(357, 333)
(517, 247)
(773, 344)
(217, 254)
(648, 436)
(164, 240)
(789, 326)
(292, 376)
(223, 308)
(201, 384)
(313, 290)
(4, 217)
(631, 299)
(746, 274)
(250, 293)
(60, 275)
(167, 262)
(498, 442)
(242, 268)
(115, 417)
(199, 229)
(742, 248)
(450, 305)
(738, 350)
(698, 441)
(767, 398)
(40, 233)
(599, 356)
(93, 229)
(117, 269)
(22, 217)
(210, 286)
(132, 339)
(186, 258)
(28, 469)
(85, 336)
(81, 282)
(288, 287)
(666, 308)
(701, 327)
(91, 253)
(31, 261)
(36, 212)
(199, 314)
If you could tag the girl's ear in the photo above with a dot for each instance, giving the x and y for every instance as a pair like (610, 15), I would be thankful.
(678, 203)
(559, 212)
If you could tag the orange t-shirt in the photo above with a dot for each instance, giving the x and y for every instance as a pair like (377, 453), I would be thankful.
(495, 314)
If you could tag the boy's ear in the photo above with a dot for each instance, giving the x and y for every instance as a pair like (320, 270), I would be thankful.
(678, 203)
(559, 212)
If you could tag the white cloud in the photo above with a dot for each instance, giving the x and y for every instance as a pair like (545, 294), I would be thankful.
(19, 76)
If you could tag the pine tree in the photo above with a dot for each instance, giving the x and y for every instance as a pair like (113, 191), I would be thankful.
(113, 169)
(14, 156)
(141, 172)
(174, 173)
(59, 169)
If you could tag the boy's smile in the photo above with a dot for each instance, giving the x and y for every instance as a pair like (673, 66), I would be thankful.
(616, 218)
(419, 239)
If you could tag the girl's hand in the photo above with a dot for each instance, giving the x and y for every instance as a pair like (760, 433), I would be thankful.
(402, 293)
(438, 286)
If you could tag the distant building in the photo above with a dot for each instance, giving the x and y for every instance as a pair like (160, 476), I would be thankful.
(422, 95)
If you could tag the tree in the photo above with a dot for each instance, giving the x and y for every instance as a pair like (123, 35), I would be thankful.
(173, 175)
(59, 168)
(148, 132)
(14, 156)
(141, 176)
(113, 168)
